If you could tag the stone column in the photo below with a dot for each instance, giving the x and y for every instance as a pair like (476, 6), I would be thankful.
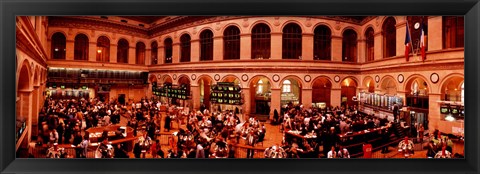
(195, 90)
(434, 117)
(148, 56)
(113, 53)
(400, 42)
(246, 101)
(361, 51)
(307, 46)
(336, 48)
(176, 52)
(335, 97)
(69, 49)
(92, 51)
(276, 45)
(132, 55)
(35, 108)
(275, 102)
(307, 98)
(217, 48)
(246, 46)
(435, 33)
(195, 50)
(378, 46)
(161, 55)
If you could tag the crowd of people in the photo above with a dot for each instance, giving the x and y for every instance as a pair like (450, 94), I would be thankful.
(207, 133)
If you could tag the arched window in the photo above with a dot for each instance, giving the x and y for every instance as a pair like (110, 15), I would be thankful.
(231, 43)
(122, 51)
(206, 45)
(140, 53)
(389, 32)
(81, 47)
(292, 42)
(462, 94)
(349, 47)
(322, 43)
(260, 87)
(103, 49)
(168, 50)
(287, 86)
(261, 41)
(154, 51)
(59, 43)
(185, 48)
(453, 29)
(370, 42)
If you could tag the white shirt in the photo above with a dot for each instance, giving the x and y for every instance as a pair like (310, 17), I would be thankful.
(330, 154)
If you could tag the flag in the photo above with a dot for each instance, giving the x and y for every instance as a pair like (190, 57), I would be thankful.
(422, 41)
(407, 43)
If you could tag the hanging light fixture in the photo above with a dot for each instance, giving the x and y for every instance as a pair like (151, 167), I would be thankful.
(449, 117)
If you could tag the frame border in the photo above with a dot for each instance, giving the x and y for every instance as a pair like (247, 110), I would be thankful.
(9, 9)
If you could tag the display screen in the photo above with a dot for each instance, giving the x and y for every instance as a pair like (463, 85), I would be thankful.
(454, 110)
(444, 110)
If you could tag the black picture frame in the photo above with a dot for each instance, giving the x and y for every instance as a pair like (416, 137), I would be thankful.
(8, 9)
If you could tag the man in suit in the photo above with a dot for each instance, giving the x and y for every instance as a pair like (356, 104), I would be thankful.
(252, 139)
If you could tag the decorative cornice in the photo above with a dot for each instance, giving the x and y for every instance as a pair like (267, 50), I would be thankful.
(97, 24)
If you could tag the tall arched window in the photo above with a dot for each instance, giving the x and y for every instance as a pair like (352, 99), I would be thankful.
(154, 50)
(261, 41)
(389, 32)
(59, 42)
(122, 51)
(206, 45)
(168, 50)
(349, 47)
(185, 48)
(370, 42)
(453, 29)
(322, 43)
(103, 49)
(81, 47)
(292, 42)
(140, 53)
(287, 86)
(231, 43)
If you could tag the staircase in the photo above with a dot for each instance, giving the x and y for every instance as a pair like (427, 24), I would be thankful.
(399, 131)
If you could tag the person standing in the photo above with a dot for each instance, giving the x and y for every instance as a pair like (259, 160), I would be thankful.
(251, 141)
(77, 140)
(84, 146)
(395, 111)
(332, 153)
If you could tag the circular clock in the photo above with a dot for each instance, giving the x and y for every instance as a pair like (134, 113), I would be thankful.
(377, 78)
(400, 78)
(434, 78)
(417, 25)
(336, 78)
(276, 78)
(174, 77)
(217, 77)
(194, 76)
(307, 78)
(244, 77)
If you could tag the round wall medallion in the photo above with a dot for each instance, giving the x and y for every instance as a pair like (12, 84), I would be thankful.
(174, 77)
(276, 78)
(194, 76)
(307, 78)
(244, 77)
(336, 79)
(217, 77)
(400, 78)
(377, 78)
(434, 77)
